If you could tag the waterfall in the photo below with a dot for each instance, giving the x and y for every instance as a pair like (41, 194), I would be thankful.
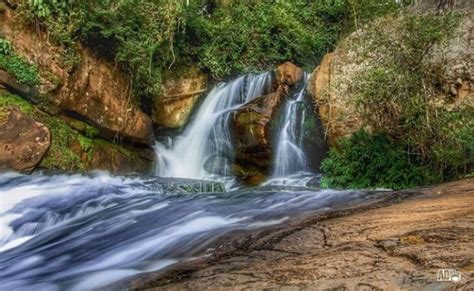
(290, 157)
(208, 134)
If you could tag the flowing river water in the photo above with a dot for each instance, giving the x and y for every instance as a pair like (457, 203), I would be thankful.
(82, 232)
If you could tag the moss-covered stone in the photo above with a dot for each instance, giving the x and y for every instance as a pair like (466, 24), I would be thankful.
(76, 151)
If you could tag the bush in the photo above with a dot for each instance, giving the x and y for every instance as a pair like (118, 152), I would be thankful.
(373, 161)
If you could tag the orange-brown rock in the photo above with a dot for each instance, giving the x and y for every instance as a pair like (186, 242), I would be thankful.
(23, 141)
(94, 90)
(336, 112)
(288, 74)
(180, 93)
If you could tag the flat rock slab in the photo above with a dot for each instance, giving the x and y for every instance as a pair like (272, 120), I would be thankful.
(23, 141)
(394, 246)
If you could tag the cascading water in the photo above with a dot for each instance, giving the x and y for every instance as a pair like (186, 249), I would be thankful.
(75, 232)
(208, 135)
(290, 157)
(79, 232)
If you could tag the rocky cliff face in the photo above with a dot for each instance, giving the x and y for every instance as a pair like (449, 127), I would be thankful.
(181, 91)
(90, 91)
(331, 81)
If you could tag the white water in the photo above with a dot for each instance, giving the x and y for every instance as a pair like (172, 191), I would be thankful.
(290, 157)
(208, 134)
(75, 232)
(80, 232)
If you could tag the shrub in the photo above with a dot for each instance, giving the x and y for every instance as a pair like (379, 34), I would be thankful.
(373, 161)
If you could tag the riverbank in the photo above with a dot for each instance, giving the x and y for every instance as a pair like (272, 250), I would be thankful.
(400, 242)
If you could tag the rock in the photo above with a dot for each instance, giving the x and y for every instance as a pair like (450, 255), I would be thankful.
(114, 158)
(183, 186)
(23, 141)
(336, 113)
(101, 95)
(330, 82)
(180, 93)
(287, 75)
(94, 90)
(13, 86)
(251, 124)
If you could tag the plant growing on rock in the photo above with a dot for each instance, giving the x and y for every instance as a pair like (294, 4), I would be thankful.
(16, 65)
(5, 47)
(396, 87)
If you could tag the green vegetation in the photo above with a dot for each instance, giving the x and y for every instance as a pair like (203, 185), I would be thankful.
(398, 95)
(16, 65)
(373, 161)
(5, 47)
(146, 38)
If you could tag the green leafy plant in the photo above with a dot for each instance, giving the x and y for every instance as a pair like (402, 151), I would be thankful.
(5, 47)
(147, 38)
(16, 65)
(373, 161)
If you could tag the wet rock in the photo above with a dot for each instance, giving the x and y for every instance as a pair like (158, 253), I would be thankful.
(249, 174)
(180, 93)
(288, 74)
(23, 141)
(184, 186)
(251, 126)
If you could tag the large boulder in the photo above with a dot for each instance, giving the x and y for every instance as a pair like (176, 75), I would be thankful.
(180, 93)
(330, 83)
(23, 140)
(336, 112)
(252, 124)
(93, 90)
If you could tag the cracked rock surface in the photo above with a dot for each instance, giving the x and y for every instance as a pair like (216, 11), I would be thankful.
(399, 245)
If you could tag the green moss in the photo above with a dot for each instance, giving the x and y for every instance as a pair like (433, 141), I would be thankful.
(60, 155)
(9, 100)
(88, 130)
(18, 66)
(87, 146)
